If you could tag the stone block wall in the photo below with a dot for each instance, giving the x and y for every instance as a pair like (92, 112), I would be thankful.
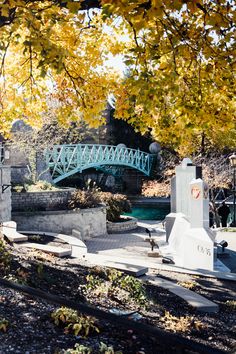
(128, 224)
(31, 201)
(90, 222)
(5, 196)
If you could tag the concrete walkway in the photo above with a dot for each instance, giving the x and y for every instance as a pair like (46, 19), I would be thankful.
(132, 248)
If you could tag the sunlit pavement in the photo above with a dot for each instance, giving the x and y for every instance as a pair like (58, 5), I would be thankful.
(134, 246)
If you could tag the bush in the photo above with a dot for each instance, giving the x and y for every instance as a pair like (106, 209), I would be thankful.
(84, 199)
(40, 186)
(116, 205)
(5, 257)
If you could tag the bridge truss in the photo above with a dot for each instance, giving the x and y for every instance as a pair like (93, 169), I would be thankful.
(66, 160)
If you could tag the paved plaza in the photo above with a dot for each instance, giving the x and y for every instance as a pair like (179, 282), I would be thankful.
(132, 247)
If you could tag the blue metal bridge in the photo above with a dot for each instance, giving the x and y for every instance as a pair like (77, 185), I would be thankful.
(66, 160)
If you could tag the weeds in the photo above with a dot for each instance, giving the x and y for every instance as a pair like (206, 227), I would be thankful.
(74, 322)
(181, 324)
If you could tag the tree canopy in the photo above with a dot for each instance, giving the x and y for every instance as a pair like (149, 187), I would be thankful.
(180, 55)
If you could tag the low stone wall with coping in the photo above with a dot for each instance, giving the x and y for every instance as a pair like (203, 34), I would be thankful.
(90, 222)
(127, 224)
(42, 200)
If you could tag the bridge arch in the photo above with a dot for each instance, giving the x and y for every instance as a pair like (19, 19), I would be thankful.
(66, 160)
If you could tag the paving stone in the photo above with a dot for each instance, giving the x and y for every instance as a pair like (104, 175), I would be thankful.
(78, 247)
(56, 251)
(197, 301)
(12, 235)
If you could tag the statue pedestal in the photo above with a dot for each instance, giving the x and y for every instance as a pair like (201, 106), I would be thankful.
(198, 249)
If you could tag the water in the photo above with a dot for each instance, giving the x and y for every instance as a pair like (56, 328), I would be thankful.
(149, 212)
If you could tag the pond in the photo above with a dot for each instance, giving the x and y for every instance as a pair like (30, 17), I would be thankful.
(149, 212)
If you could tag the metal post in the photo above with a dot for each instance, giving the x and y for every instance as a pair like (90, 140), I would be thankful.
(234, 221)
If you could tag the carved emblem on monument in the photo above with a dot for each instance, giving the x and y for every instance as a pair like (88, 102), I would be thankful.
(195, 192)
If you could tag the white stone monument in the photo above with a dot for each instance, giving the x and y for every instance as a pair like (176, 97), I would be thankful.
(180, 195)
(190, 240)
(197, 250)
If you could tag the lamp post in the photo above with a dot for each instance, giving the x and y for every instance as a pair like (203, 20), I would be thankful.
(232, 160)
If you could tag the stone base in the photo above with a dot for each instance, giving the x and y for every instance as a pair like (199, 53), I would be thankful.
(154, 254)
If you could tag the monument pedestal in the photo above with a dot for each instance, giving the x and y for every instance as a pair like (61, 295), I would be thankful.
(198, 249)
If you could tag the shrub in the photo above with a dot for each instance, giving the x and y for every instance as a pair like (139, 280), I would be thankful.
(84, 199)
(40, 186)
(5, 257)
(116, 205)
(113, 282)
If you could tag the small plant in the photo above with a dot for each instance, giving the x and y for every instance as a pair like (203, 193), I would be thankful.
(93, 282)
(188, 284)
(73, 322)
(36, 238)
(5, 257)
(128, 283)
(231, 304)
(40, 270)
(104, 348)
(3, 324)
(181, 324)
(79, 349)
(21, 276)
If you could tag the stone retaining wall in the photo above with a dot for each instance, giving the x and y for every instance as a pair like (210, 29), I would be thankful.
(127, 224)
(48, 200)
(90, 222)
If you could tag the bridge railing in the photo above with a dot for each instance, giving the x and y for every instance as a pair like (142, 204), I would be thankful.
(64, 160)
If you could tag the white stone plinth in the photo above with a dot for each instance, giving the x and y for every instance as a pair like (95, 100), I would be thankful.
(198, 249)
(181, 225)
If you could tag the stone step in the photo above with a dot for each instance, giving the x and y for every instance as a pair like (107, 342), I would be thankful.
(195, 300)
(56, 251)
(78, 247)
(10, 224)
(77, 234)
(12, 235)
(117, 263)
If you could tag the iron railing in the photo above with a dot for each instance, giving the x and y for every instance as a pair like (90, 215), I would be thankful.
(66, 160)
